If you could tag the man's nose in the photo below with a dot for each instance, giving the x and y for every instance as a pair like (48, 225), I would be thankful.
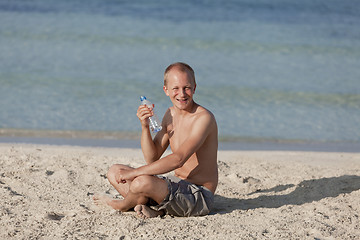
(183, 92)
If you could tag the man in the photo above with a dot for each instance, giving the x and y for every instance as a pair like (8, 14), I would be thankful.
(191, 131)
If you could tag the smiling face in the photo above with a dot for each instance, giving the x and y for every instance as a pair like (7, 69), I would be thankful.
(180, 87)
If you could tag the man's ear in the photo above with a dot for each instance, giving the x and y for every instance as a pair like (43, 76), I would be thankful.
(166, 90)
(194, 88)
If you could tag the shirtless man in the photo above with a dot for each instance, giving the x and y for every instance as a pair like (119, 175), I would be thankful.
(191, 131)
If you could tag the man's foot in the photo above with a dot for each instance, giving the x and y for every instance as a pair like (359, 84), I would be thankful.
(103, 200)
(144, 211)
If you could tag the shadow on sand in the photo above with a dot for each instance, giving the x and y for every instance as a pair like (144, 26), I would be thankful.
(305, 192)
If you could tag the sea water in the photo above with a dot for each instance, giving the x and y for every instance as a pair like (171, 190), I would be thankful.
(281, 70)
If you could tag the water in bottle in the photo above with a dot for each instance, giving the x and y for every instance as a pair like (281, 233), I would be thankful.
(154, 123)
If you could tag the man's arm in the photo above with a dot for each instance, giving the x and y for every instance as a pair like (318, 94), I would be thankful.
(197, 137)
(152, 149)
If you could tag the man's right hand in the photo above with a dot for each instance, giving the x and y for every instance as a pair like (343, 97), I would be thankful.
(124, 175)
(143, 113)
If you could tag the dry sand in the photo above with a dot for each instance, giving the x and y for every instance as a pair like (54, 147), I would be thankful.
(46, 194)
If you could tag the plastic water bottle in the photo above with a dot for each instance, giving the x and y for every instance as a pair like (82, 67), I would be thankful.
(154, 123)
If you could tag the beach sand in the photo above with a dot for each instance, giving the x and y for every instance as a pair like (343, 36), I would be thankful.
(46, 193)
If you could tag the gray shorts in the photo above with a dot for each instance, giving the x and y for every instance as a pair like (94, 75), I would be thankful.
(186, 199)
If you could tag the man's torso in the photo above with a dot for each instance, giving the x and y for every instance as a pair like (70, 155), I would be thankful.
(201, 167)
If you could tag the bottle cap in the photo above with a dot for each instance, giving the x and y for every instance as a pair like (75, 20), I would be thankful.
(142, 98)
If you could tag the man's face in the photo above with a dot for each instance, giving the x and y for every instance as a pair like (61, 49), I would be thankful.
(180, 88)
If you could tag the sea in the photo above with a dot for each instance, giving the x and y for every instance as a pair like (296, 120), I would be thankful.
(276, 71)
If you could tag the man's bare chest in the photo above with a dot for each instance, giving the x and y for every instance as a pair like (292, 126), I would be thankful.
(178, 133)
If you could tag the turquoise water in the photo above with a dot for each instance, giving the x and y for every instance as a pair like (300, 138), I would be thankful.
(279, 70)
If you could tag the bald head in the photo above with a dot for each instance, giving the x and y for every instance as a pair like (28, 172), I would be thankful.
(182, 67)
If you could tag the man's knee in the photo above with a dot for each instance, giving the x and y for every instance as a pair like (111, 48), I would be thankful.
(142, 184)
(113, 170)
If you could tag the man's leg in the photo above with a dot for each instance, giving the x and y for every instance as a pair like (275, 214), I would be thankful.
(136, 192)
(141, 189)
(122, 188)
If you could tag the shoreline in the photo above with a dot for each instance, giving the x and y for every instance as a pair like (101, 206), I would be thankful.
(114, 139)
(265, 145)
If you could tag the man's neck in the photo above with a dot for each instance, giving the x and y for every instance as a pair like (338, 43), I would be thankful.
(191, 109)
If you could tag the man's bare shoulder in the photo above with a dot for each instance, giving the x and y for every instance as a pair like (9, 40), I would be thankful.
(200, 114)
(203, 112)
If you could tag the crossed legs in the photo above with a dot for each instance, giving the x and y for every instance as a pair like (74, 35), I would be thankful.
(136, 193)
